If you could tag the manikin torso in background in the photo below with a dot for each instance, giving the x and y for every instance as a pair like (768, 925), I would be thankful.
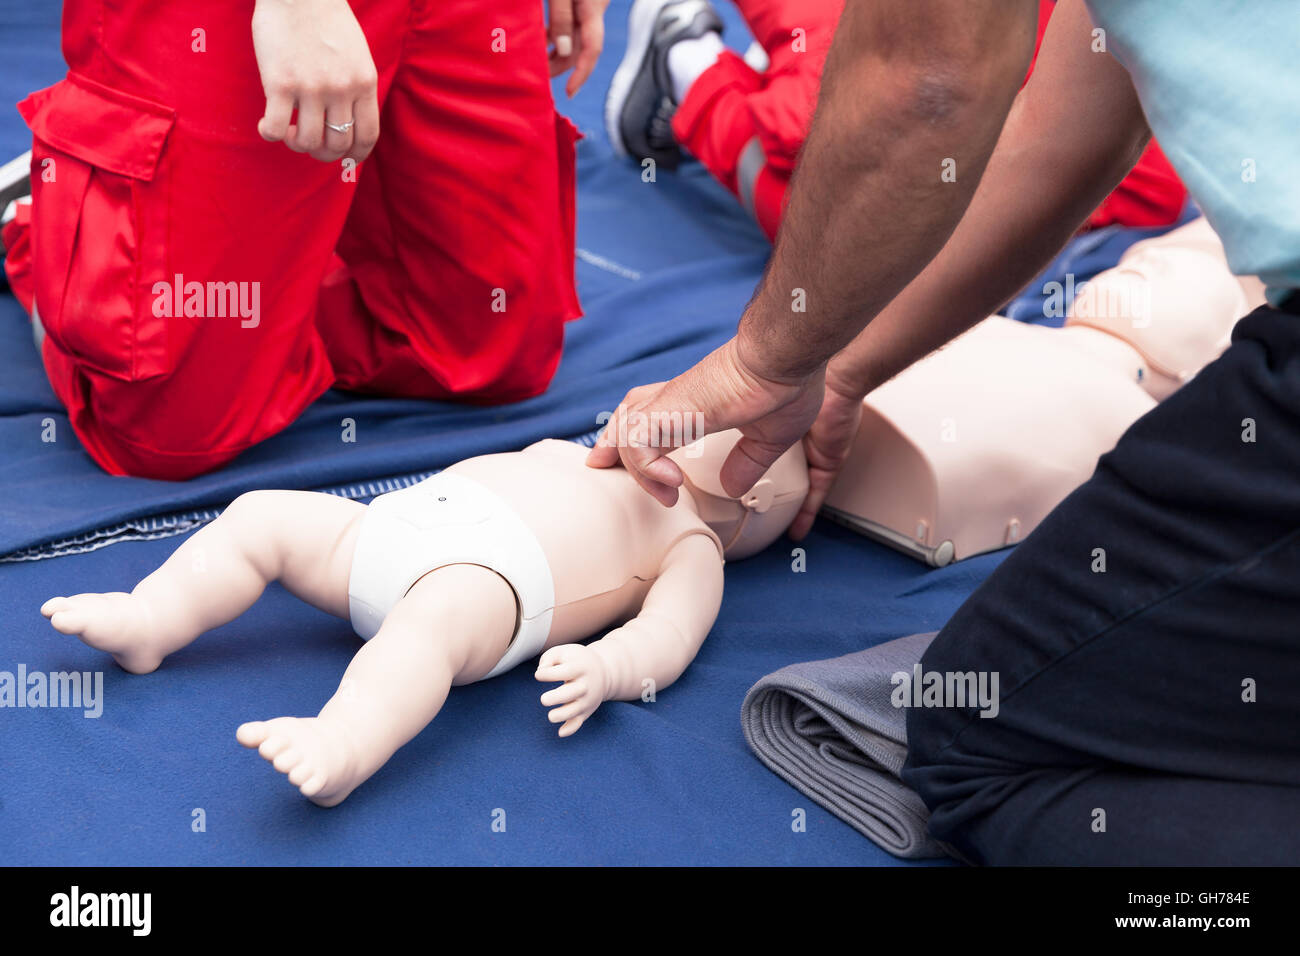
(604, 537)
(970, 448)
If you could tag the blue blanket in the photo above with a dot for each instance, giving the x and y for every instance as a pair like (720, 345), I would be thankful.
(664, 270)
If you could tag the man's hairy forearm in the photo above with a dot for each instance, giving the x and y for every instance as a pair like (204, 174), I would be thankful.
(910, 91)
(1073, 134)
(1009, 234)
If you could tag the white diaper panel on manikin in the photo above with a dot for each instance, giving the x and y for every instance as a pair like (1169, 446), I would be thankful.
(449, 519)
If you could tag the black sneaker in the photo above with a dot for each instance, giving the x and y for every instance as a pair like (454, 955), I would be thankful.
(639, 106)
(15, 179)
(15, 183)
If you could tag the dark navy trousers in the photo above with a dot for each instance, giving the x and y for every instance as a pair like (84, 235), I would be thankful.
(1147, 638)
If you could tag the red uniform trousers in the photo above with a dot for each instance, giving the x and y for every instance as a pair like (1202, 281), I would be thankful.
(199, 287)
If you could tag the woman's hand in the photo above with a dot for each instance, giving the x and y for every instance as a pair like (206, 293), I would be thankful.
(577, 34)
(313, 57)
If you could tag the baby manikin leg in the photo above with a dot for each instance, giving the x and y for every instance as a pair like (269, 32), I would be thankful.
(301, 538)
(451, 628)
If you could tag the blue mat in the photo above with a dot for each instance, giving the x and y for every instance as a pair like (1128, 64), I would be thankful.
(665, 269)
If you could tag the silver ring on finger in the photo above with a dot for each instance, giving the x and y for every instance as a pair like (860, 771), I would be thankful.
(340, 127)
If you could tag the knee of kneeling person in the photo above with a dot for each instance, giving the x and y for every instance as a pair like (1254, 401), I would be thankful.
(956, 791)
(129, 452)
(142, 455)
(173, 430)
(948, 691)
(943, 764)
(526, 377)
(931, 767)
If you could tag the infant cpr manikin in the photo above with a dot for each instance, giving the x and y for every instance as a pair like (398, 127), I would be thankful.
(489, 563)
(969, 449)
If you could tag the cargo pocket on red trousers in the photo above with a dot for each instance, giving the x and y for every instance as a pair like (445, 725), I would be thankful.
(566, 139)
(99, 224)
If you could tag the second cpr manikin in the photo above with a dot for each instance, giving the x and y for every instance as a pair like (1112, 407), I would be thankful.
(969, 449)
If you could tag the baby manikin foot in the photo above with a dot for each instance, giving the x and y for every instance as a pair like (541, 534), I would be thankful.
(314, 753)
(116, 623)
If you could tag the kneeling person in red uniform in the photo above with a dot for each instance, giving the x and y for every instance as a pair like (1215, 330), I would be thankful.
(195, 284)
(679, 89)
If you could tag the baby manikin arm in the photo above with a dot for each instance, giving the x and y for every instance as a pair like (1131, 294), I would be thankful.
(652, 650)
(647, 653)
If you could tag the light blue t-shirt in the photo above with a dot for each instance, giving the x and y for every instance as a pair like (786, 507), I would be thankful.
(1219, 81)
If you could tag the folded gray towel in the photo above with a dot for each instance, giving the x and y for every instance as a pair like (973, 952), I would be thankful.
(830, 730)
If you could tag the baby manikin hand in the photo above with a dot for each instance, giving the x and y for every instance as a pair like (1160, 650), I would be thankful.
(585, 682)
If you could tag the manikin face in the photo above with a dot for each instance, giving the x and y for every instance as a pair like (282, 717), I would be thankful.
(748, 524)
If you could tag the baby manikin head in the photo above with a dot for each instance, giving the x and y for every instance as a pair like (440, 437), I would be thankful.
(749, 523)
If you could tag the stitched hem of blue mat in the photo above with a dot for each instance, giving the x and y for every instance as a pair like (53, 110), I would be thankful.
(166, 526)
